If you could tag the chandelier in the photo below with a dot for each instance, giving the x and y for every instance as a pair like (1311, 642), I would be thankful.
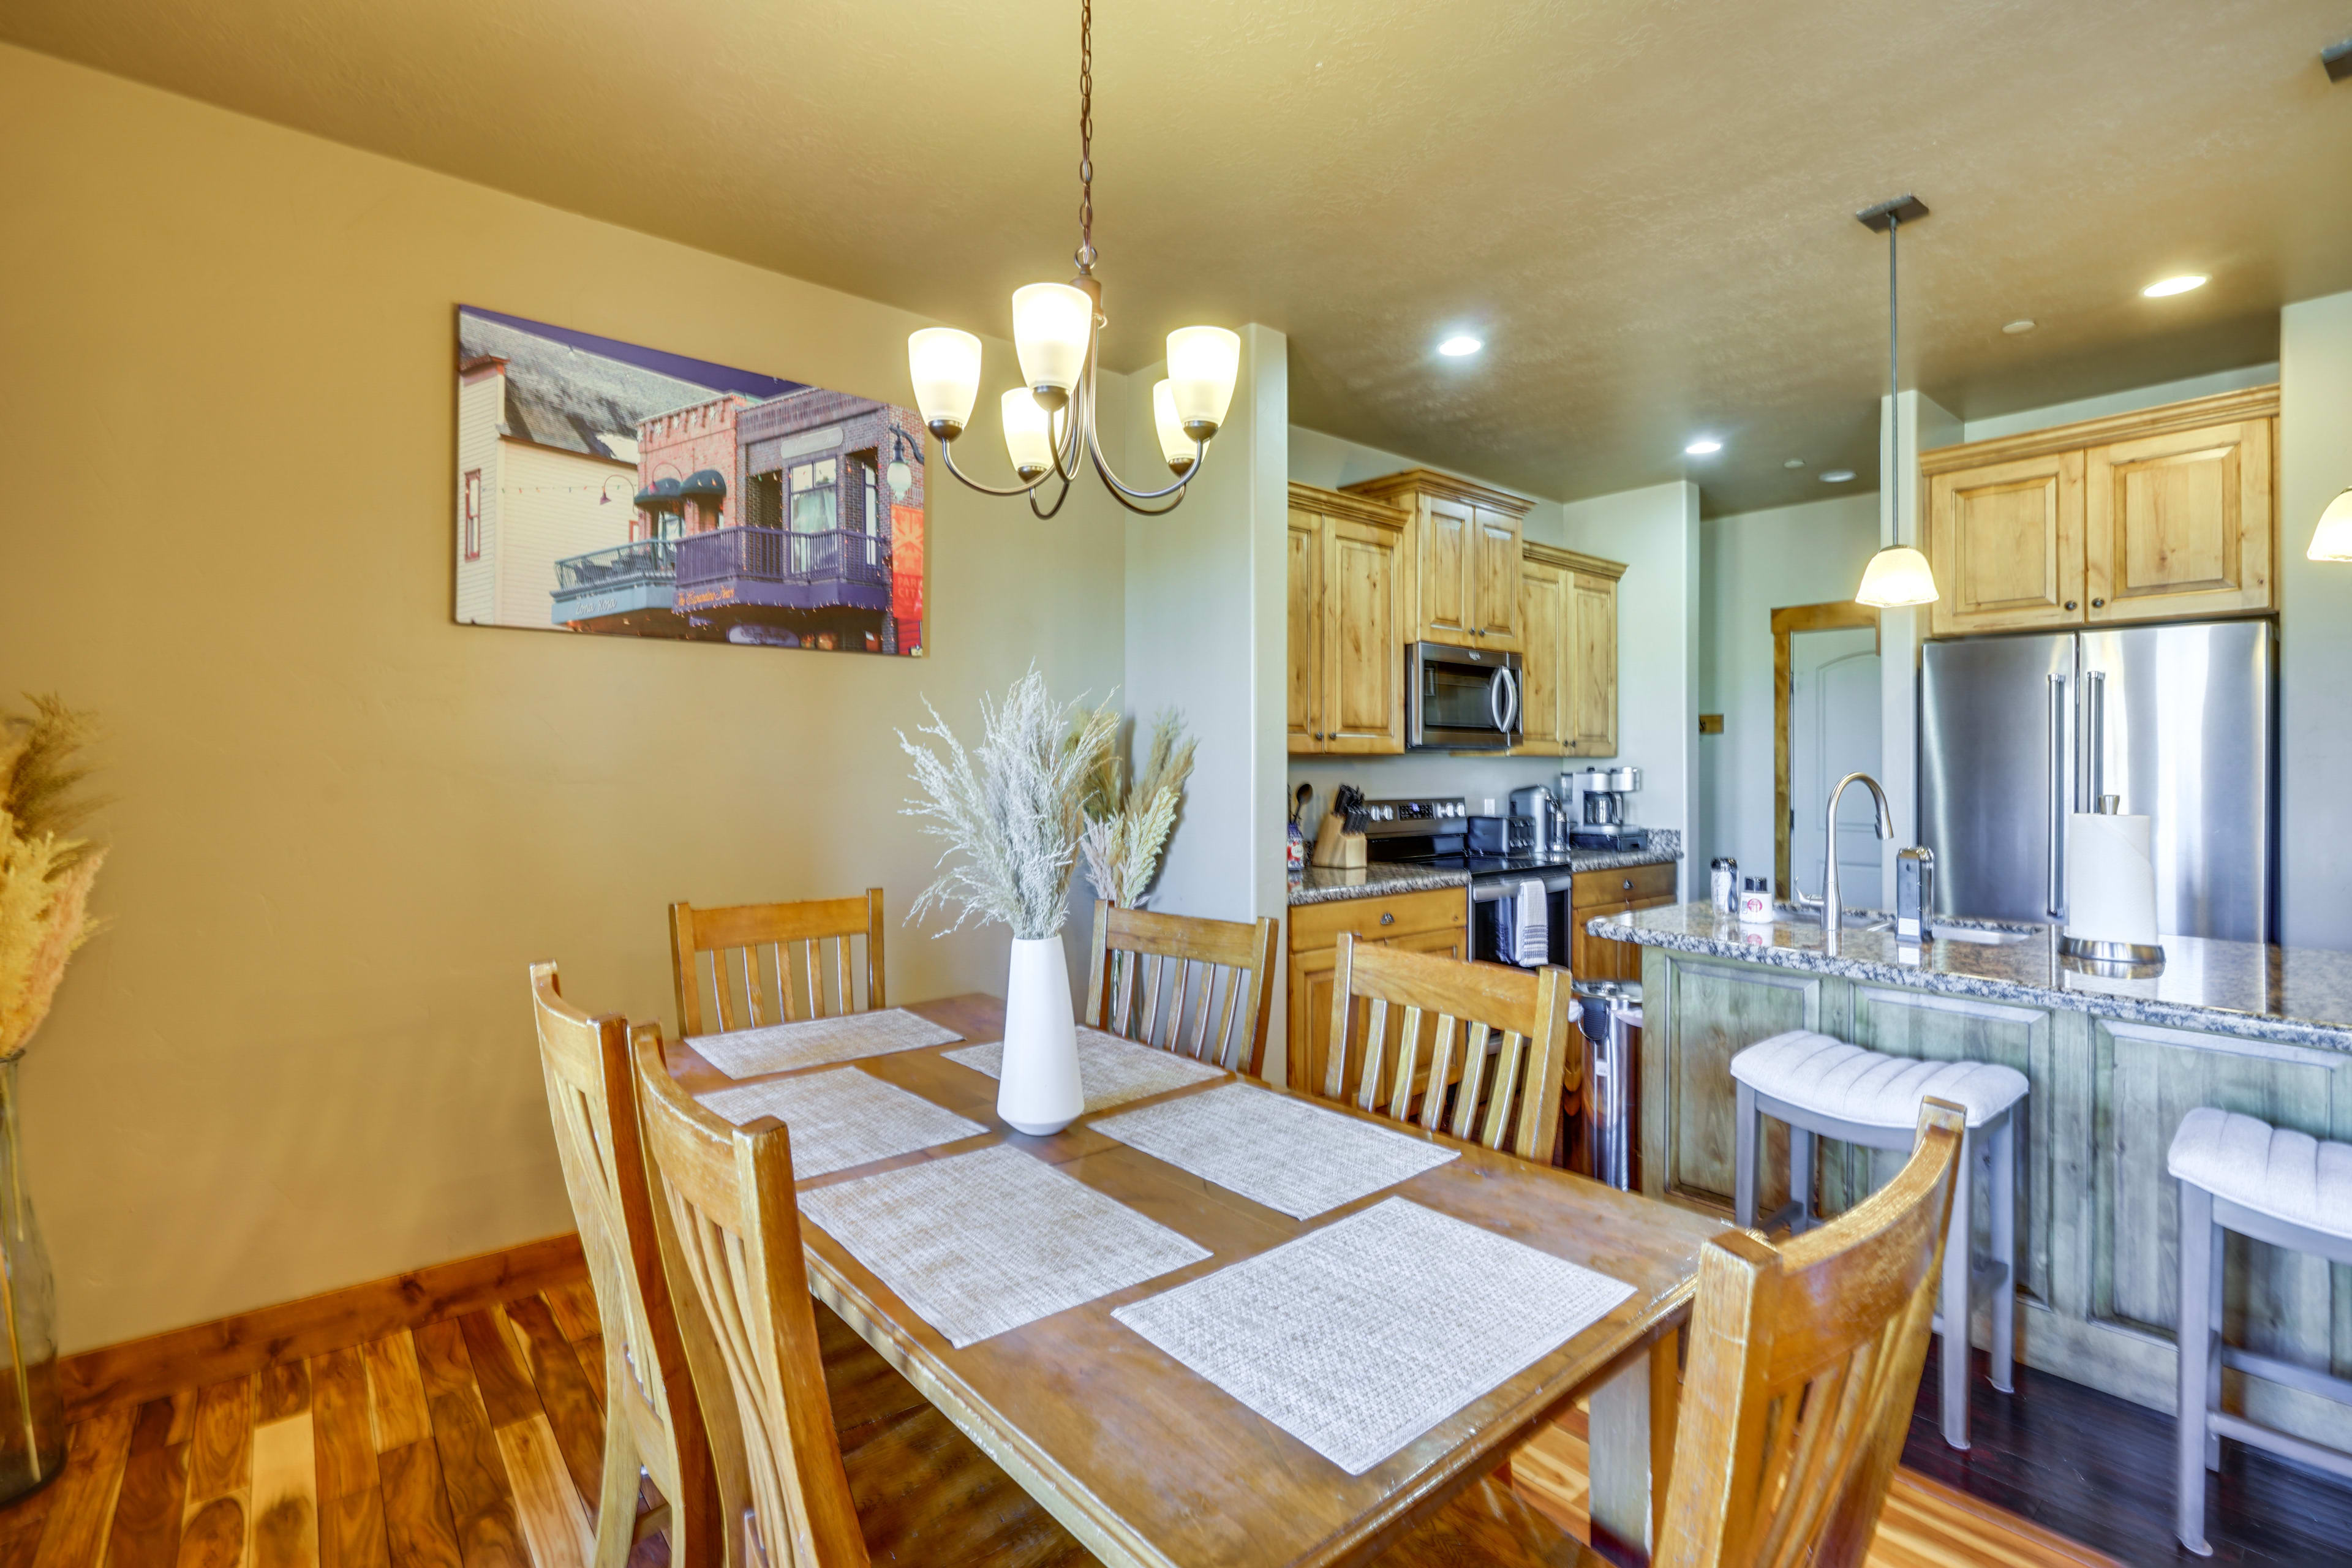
(1051, 424)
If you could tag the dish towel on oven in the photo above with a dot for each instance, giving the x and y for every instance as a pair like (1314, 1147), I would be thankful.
(1531, 945)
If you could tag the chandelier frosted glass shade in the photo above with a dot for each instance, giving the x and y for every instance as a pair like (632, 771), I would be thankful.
(1203, 364)
(1175, 443)
(1897, 578)
(2332, 539)
(944, 366)
(1052, 324)
(1028, 432)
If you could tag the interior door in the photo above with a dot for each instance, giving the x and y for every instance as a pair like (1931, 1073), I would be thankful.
(1833, 727)
(1996, 772)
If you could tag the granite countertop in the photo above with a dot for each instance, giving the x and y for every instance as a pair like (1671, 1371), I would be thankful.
(1318, 886)
(2251, 990)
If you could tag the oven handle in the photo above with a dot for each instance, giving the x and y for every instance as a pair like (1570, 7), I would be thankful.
(1493, 892)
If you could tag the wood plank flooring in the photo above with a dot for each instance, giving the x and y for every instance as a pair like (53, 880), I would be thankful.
(477, 1441)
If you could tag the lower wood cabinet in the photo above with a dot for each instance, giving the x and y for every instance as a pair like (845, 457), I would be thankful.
(1597, 893)
(2098, 1214)
(1435, 921)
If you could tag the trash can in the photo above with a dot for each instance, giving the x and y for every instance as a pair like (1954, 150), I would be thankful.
(1611, 1013)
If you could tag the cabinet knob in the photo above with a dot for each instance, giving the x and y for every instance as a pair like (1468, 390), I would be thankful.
(2070, 604)
(1388, 917)
(1629, 884)
(2098, 604)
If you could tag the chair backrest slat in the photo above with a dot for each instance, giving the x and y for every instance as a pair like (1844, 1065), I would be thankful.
(592, 1100)
(1153, 979)
(747, 944)
(1510, 1101)
(735, 1235)
(1803, 1365)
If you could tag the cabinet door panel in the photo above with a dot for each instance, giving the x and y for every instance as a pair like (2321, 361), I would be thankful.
(1595, 691)
(2006, 542)
(1544, 615)
(2180, 524)
(1310, 1017)
(1443, 571)
(1494, 582)
(1363, 658)
(1306, 618)
(1715, 1012)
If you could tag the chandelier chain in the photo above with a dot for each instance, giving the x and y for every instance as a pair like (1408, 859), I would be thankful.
(1086, 136)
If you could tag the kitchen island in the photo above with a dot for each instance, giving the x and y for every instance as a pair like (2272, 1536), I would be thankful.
(2114, 1064)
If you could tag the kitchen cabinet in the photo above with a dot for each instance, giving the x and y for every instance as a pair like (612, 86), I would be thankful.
(1434, 921)
(1347, 598)
(1463, 551)
(2168, 513)
(1596, 893)
(1568, 617)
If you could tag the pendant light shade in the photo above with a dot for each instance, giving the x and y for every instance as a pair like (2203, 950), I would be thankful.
(1174, 444)
(944, 364)
(1202, 363)
(2332, 539)
(1028, 433)
(1897, 578)
(1051, 323)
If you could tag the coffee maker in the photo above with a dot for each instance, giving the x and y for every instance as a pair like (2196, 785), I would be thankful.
(1601, 795)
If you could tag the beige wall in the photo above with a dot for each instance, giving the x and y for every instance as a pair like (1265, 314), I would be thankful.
(303, 1056)
(2314, 628)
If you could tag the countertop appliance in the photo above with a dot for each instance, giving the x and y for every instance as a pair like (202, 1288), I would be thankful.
(1461, 699)
(1601, 793)
(2016, 732)
(1533, 802)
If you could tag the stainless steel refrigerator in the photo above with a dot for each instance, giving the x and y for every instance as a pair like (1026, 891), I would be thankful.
(2016, 731)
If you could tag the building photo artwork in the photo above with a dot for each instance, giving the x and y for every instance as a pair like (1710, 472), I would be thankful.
(602, 487)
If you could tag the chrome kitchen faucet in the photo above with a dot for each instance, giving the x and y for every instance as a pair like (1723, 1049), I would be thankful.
(1833, 909)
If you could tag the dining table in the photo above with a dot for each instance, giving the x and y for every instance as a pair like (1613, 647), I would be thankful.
(1147, 1462)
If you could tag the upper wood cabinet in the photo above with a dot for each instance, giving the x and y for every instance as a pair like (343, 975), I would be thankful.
(1461, 546)
(1567, 615)
(2163, 514)
(1346, 606)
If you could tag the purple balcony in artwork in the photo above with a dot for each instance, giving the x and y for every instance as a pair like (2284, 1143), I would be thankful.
(773, 568)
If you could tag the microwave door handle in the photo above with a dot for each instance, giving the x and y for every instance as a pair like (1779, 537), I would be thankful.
(1495, 699)
(1511, 723)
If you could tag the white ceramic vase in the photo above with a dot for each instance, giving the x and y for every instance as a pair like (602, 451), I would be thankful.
(1039, 1091)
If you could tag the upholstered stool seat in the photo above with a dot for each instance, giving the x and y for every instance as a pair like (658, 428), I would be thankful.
(2280, 1186)
(1824, 1087)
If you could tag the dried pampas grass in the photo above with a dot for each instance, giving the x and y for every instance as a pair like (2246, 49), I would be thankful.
(1009, 813)
(1124, 836)
(45, 876)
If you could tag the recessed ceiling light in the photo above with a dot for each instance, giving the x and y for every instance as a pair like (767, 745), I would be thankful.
(1705, 447)
(2171, 286)
(1794, 463)
(1458, 346)
(2023, 324)
(1837, 475)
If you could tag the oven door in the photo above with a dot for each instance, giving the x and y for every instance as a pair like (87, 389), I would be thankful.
(1494, 915)
(1463, 700)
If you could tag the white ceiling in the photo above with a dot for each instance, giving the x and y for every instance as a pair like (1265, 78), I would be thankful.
(1646, 209)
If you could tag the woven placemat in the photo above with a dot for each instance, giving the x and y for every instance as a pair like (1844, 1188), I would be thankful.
(985, 1242)
(1112, 1071)
(843, 1118)
(818, 1042)
(1359, 1337)
(1273, 1149)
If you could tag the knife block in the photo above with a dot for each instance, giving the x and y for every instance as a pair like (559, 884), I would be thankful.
(1336, 850)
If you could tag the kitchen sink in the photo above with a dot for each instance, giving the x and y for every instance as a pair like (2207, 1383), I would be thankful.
(1849, 919)
(1983, 936)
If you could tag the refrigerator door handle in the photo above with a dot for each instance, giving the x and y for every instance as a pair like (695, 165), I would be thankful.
(2056, 901)
(2094, 774)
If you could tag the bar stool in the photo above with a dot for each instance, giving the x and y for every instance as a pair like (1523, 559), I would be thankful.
(2289, 1189)
(1823, 1086)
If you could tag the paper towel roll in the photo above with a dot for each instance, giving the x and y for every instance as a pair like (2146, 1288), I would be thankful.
(2110, 879)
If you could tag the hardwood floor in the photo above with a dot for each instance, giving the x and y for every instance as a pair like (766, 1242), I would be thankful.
(475, 1441)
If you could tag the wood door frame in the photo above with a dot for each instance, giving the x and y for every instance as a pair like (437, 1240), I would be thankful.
(1787, 621)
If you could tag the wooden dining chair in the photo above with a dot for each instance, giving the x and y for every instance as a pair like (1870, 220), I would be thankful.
(770, 964)
(1804, 1361)
(1201, 969)
(1502, 1038)
(822, 1494)
(650, 1416)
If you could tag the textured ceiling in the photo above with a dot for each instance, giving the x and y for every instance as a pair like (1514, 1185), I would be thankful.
(1644, 208)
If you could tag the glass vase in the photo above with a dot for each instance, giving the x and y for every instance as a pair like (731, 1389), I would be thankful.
(32, 1401)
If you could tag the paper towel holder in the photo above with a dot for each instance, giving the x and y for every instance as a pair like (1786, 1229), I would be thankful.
(2129, 959)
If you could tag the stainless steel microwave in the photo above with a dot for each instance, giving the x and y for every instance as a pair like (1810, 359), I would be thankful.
(1461, 699)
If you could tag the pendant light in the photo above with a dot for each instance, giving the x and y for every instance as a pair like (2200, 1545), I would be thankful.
(1898, 576)
(1050, 420)
(2332, 539)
